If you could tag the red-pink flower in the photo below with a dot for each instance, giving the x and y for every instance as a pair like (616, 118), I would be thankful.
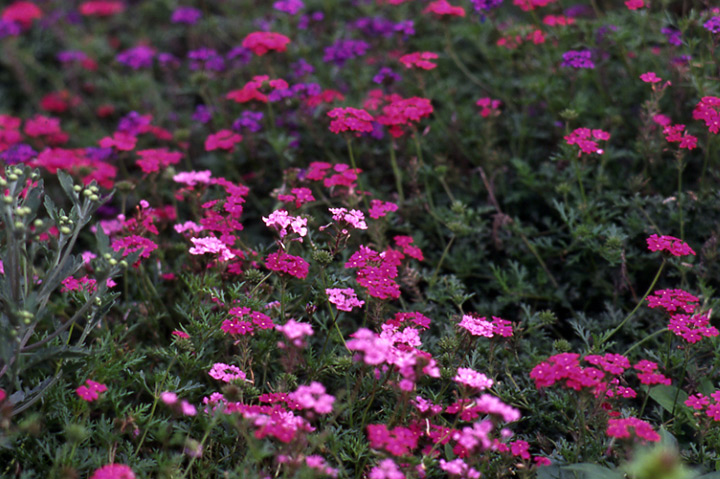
(585, 139)
(420, 60)
(650, 77)
(620, 428)
(262, 42)
(443, 8)
(23, 13)
(120, 141)
(282, 262)
(708, 110)
(91, 390)
(489, 107)
(672, 245)
(350, 119)
(222, 140)
(152, 161)
(113, 471)
(101, 8)
(634, 4)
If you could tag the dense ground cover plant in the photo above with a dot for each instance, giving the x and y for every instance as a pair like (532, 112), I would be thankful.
(373, 238)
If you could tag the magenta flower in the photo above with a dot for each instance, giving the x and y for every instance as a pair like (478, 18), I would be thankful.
(345, 299)
(91, 391)
(226, 373)
(620, 428)
(313, 397)
(473, 379)
(114, 471)
(672, 245)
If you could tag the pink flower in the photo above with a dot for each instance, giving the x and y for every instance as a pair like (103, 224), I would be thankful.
(443, 8)
(489, 107)
(285, 263)
(350, 119)
(585, 138)
(458, 468)
(262, 42)
(697, 401)
(378, 208)
(386, 469)
(133, 243)
(354, 218)
(708, 110)
(672, 245)
(191, 178)
(472, 379)
(281, 220)
(345, 299)
(91, 391)
(620, 428)
(212, 245)
(420, 60)
(226, 373)
(634, 4)
(313, 397)
(113, 471)
(295, 331)
(222, 140)
(650, 77)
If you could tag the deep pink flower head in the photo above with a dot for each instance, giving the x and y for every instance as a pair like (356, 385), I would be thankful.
(650, 77)
(672, 245)
(91, 390)
(443, 8)
(113, 471)
(708, 110)
(350, 119)
(620, 428)
(262, 42)
(419, 60)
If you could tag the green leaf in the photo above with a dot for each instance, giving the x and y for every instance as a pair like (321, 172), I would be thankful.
(593, 471)
(666, 396)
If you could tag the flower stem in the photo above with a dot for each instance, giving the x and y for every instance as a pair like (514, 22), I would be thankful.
(637, 306)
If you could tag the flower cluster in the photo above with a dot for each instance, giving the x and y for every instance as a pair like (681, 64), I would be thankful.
(578, 59)
(281, 220)
(91, 390)
(708, 110)
(350, 119)
(620, 428)
(344, 299)
(282, 262)
(480, 326)
(586, 139)
(489, 107)
(226, 373)
(419, 60)
(672, 245)
(262, 42)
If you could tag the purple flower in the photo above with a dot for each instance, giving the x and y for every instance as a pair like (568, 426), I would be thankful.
(137, 57)
(485, 5)
(279, 94)
(343, 50)
(289, 6)
(8, 28)
(98, 154)
(375, 26)
(167, 60)
(578, 59)
(186, 15)
(406, 27)
(206, 59)
(305, 20)
(19, 153)
(713, 25)
(249, 120)
(673, 36)
(133, 123)
(301, 68)
(202, 114)
(386, 76)
(239, 56)
(70, 56)
(304, 90)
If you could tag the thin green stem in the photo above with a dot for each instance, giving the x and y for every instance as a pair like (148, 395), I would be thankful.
(361, 188)
(154, 406)
(644, 340)
(442, 258)
(679, 198)
(637, 306)
(397, 173)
